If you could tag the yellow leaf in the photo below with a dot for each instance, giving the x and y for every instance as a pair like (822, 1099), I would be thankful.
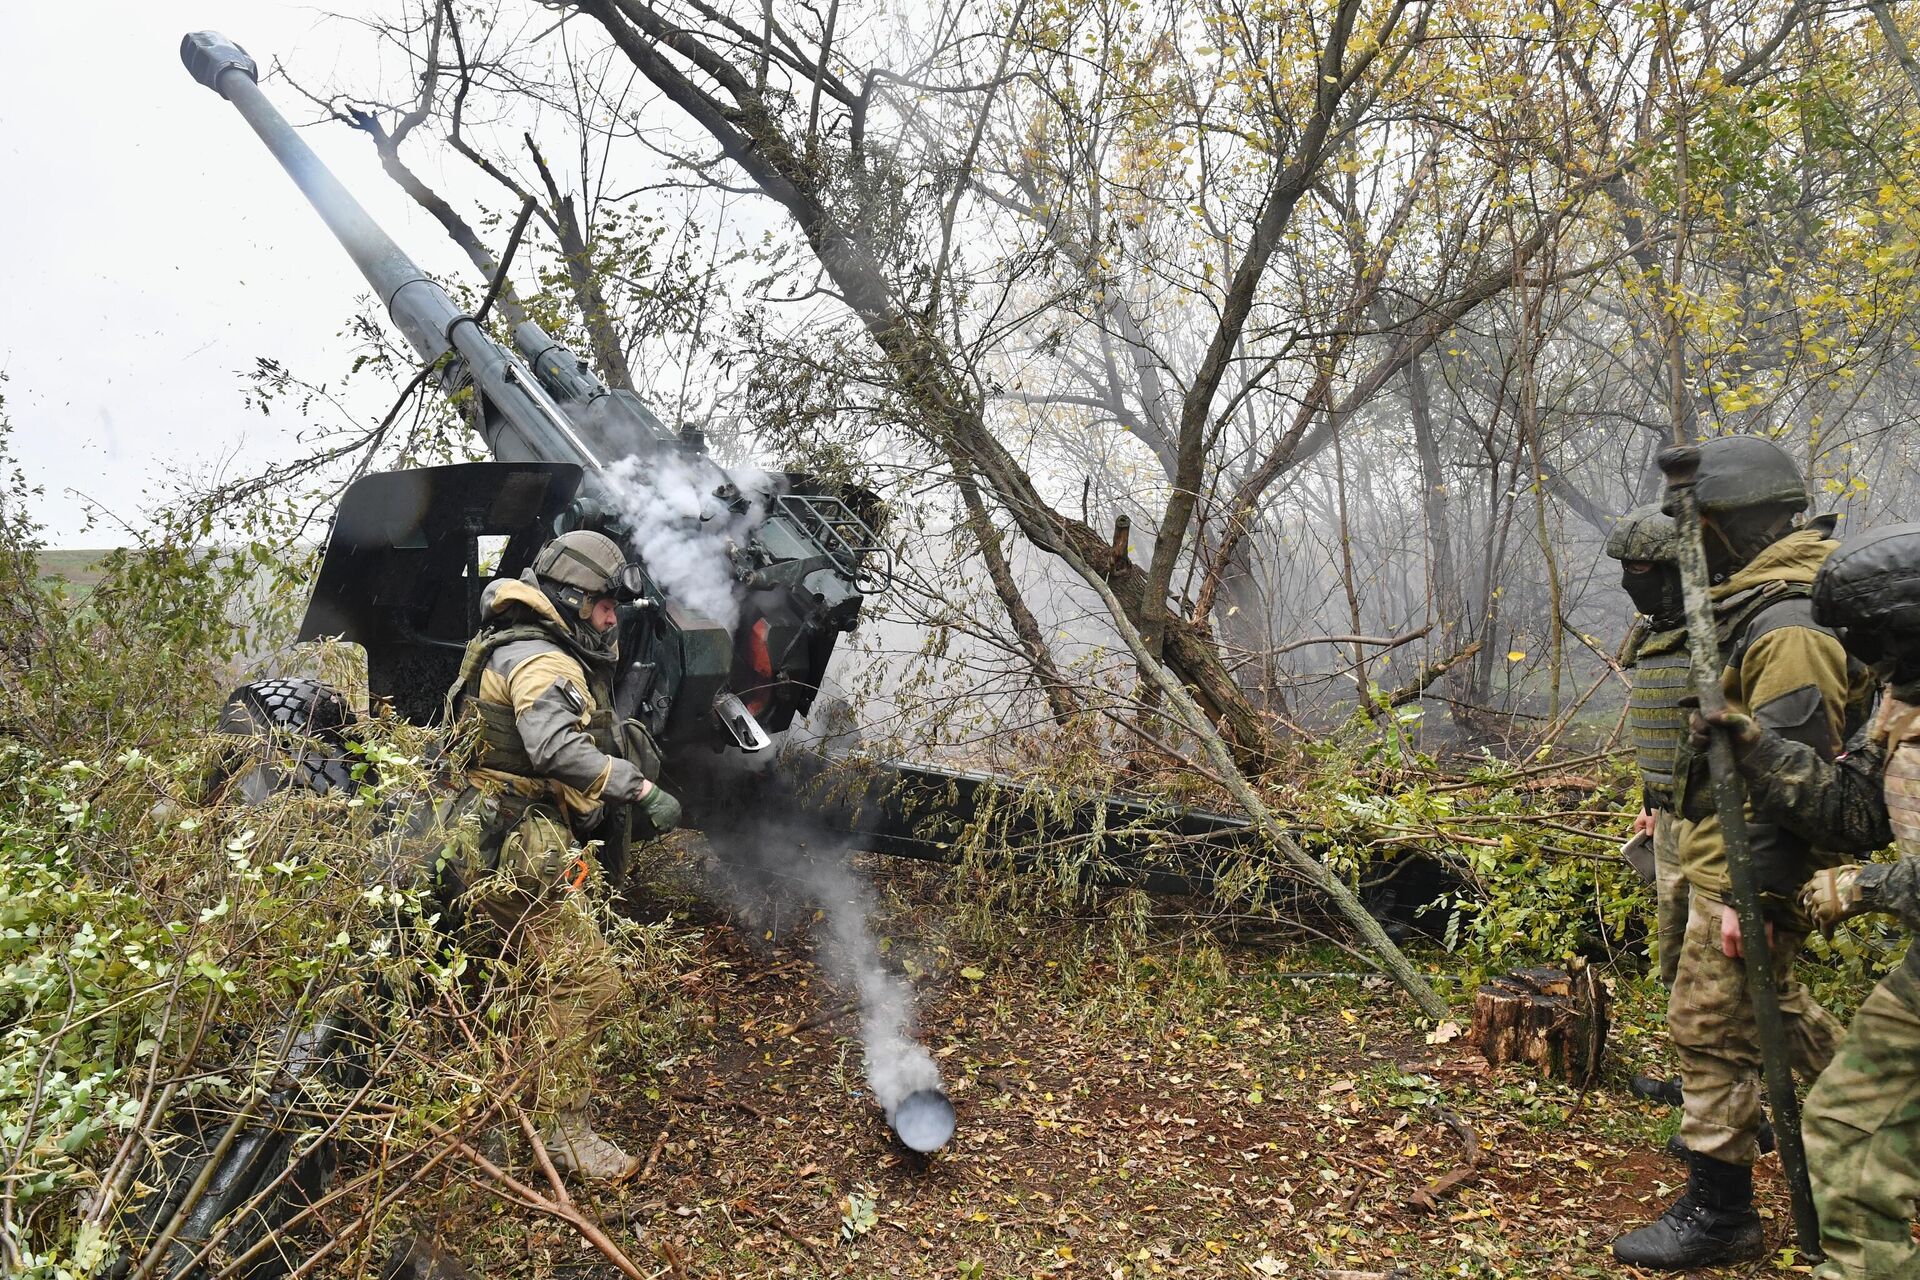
(973, 973)
(1516, 655)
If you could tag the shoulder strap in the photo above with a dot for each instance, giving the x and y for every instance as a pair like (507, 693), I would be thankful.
(1741, 612)
(466, 685)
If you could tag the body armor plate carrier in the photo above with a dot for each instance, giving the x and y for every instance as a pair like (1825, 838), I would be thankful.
(1661, 669)
(1899, 730)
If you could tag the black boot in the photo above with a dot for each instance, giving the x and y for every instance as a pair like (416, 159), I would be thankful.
(1655, 1089)
(1677, 1150)
(1711, 1224)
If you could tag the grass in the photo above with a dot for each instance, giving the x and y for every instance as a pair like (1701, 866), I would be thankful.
(81, 570)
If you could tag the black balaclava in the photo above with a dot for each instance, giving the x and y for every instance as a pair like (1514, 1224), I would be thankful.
(1656, 591)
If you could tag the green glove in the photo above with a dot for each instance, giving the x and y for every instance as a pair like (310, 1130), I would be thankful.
(1834, 895)
(657, 812)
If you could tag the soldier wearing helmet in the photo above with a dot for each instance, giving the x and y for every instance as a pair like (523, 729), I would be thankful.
(1643, 543)
(552, 786)
(1863, 1116)
(1790, 674)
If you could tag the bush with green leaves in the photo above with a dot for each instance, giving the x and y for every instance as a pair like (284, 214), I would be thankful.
(160, 943)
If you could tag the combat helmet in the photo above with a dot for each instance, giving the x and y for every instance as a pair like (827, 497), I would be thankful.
(580, 566)
(1868, 592)
(1644, 533)
(1739, 473)
(1646, 544)
(1749, 490)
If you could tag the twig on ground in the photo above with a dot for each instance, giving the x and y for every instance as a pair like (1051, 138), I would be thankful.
(819, 1019)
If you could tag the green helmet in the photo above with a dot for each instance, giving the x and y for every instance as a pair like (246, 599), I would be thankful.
(1644, 533)
(587, 561)
(1739, 473)
(579, 566)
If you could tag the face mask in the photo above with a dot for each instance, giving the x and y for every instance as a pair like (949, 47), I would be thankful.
(1655, 589)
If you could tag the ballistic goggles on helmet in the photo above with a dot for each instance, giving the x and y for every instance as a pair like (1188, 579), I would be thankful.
(585, 563)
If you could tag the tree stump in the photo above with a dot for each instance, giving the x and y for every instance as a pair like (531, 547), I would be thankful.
(1555, 1020)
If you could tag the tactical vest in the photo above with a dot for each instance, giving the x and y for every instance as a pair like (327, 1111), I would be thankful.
(1899, 732)
(1735, 616)
(1661, 667)
(498, 748)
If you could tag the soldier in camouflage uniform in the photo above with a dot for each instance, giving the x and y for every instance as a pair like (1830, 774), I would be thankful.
(1863, 1116)
(552, 788)
(1643, 543)
(1791, 675)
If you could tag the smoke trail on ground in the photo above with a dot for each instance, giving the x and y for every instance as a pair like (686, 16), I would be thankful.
(897, 1063)
(683, 530)
(783, 873)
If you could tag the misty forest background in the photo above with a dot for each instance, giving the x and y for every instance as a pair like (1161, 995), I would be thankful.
(1250, 388)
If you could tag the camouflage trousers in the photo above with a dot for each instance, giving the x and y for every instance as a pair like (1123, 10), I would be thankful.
(1670, 891)
(1710, 1020)
(551, 972)
(1862, 1129)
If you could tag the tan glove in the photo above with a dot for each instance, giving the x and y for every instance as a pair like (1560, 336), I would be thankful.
(1833, 895)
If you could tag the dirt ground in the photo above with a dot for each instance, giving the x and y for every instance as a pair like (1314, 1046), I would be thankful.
(1187, 1112)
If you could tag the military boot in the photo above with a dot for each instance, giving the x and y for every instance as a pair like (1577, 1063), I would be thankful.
(1711, 1224)
(1677, 1150)
(575, 1147)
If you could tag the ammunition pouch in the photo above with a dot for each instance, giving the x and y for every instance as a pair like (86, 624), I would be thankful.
(639, 749)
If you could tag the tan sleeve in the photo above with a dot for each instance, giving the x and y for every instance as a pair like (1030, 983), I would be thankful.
(536, 675)
(1784, 662)
(552, 707)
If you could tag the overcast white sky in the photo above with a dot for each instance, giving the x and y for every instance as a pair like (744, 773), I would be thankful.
(150, 248)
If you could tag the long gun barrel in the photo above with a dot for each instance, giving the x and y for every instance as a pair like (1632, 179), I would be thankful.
(520, 420)
(402, 573)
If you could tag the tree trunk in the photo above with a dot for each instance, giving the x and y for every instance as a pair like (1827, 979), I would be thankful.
(1554, 1020)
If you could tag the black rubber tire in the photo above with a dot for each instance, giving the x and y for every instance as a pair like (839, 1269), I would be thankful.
(309, 720)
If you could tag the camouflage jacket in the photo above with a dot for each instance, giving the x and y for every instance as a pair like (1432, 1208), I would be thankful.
(1842, 804)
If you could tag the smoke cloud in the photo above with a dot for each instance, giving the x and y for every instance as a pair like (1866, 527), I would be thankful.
(682, 530)
(783, 873)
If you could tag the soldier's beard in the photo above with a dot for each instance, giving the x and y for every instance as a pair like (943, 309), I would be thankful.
(600, 643)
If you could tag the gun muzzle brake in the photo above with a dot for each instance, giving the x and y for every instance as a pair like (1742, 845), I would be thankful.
(209, 55)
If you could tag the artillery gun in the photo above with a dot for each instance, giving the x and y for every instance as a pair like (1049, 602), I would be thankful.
(401, 575)
(402, 570)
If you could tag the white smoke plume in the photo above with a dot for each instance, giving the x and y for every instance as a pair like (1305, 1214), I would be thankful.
(682, 530)
(774, 870)
(897, 1063)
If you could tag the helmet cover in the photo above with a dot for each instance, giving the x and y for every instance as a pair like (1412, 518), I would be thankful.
(1738, 473)
(1872, 583)
(586, 560)
(1644, 533)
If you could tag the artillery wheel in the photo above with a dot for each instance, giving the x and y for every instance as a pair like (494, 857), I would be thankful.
(298, 727)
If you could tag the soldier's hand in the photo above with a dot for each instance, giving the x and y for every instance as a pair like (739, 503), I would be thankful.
(658, 809)
(1644, 823)
(1730, 936)
(1833, 895)
(1741, 730)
